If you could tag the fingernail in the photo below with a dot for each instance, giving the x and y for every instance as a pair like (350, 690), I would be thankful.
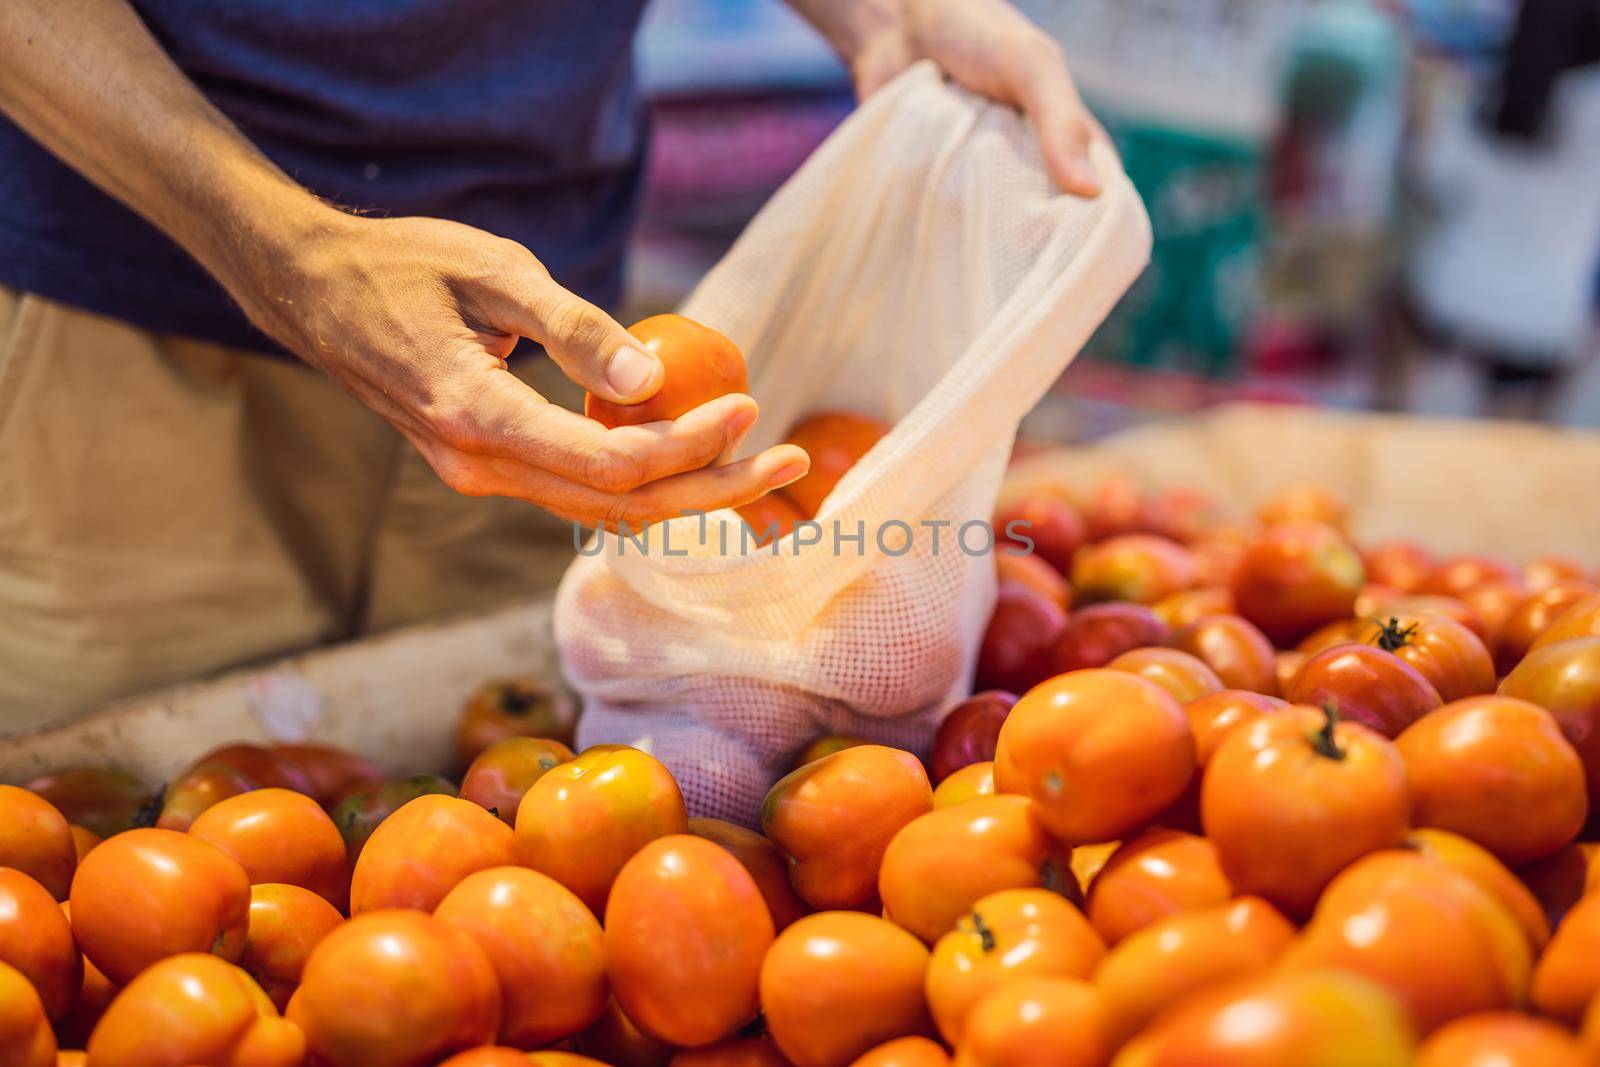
(629, 371)
(1083, 174)
(740, 424)
(789, 473)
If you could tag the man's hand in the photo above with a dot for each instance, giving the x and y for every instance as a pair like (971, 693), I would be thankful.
(987, 46)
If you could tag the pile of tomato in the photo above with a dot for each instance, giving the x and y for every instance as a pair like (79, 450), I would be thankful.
(1232, 793)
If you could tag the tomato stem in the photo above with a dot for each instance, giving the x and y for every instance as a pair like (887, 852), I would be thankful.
(1322, 740)
(1393, 636)
(985, 934)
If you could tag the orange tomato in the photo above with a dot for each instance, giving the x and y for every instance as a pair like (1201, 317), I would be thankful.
(504, 772)
(832, 820)
(1323, 1019)
(1007, 935)
(838, 983)
(1288, 663)
(1428, 934)
(1159, 873)
(514, 707)
(1187, 606)
(332, 772)
(905, 1052)
(1568, 973)
(616, 1039)
(1291, 799)
(1451, 657)
(771, 517)
(1210, 718)
(835, 441)
(194, 1008)
(544, 944)
(261, 765)
(1327, 635)
(396, 988)
(1495, 601)
(969, 783)
(1234, 648)
(698, 363)
(105, 800)
(827, 745)
(1037, 1021)
(1582, 619)
(286, 923)
(1303, 502)
(685, 915)
(760, 857)
(94, 994)
(194, 791)
(72, 1058)
(36, 839)
(1530, 619)
(488, 1056)
(1463, 573)
(549, 1058)
(1472, 762)
(1564, 679)
(147, 894)
(1034, 572)
(1399, 564)
(1100, 752)
(587, 817)
(733, 1052)
(1186, 677)
(25, 1036)
(1500, 1039)
(1142, 568)
(1184, 953)
(1492, 876)
(279, 836)
(940, 863)
(1547, 571)
(1295, 577)
(422, 851)
(363, 810)
(83, 839)
(36, 939)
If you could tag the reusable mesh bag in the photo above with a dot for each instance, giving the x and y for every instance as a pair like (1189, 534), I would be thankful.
(921, 268)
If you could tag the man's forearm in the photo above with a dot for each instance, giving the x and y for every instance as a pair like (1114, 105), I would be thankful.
(89, 82)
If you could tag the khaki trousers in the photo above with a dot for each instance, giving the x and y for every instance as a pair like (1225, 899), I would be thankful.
(171, 507)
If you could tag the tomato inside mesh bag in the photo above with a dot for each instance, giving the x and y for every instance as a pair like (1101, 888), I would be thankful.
(920, 267)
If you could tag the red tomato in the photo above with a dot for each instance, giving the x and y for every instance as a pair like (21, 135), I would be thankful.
(968, 733)
(1564, 679)
(941, 862)
(1451, 657)
(1186, 677)
(514, 707)
(1500, 1039)
(1142, 568)
(279, 836)
(1495, 601)
(905, 1052)
(1043, 523)
(838, 983)
(833, 819)
(194, 1008)
(587, 817)
(36, 939)
(1234, 648)
(37, 840)
(770, 518)
(1291, 799)
(1117, 506)
(261, 765)
(25, 1036)
(194, 791)
(1462, 574)
(1530, 619)
(1039, 1021)
(333, 772)
(1183, 513)
(286, 923)
(1416, 604)
(1366, 685)
(147, 894)
(1401, 565)
(1296, 577)
(698, 363)
(1558, 882)
(1014, 655)
(835, 441)
(544, 944)
(1036, 574)
(1096, 635)
(505, 771)
(1473, 761)
(760, 857)
(1157, 874)
(1100, 752)
(422, 851)
(104, 800)
(1217, 557)
(396, 989)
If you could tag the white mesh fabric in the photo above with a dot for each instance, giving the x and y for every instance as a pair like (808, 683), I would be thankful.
(921, 268)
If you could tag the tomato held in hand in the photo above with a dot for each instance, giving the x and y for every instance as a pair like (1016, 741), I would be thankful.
(1043, 524)
(1451, 657)
(1037, 1021)
(1006, 935)
(1184, 953)
(191, 1009)
(968, 733)
(760, 857)
(286, 923)
(333, 772)
(104, 800)
(396, 989)
(544, 944)
(941, 862)
(1186, 677)
(504, 772)
(833, 819)
(25, 1036)
(1015, 653)
(36, 939)
(422, 851)
(835, 441)
(1292, 799)
(1498, 771)
(1098, 634)
(1142, 568)
(838, 983)
(279, 836)
(1100, 752)
(514, 707)
(1366, 685)
(1296, 577)
(1500, 1039)
(698, 364)
(1159, 873)
(1564, 679)
(36, 839)
(147, 894)
(193, 792)
(587, 817)
(1234, 648)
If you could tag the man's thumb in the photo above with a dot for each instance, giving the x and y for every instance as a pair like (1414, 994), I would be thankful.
(590, 346)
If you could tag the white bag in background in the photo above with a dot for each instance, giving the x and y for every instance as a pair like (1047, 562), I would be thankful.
(921, 268)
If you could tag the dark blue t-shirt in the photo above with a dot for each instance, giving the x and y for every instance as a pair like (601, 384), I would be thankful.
(515, 116)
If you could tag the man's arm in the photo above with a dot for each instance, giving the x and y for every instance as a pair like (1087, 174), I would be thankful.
(413, 316)
(986, 45)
